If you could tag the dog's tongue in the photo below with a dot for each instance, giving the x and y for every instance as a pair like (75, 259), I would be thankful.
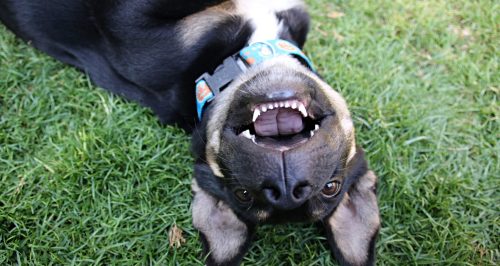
(279, 122)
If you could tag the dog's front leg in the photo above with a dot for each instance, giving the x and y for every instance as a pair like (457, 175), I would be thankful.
(225, 237)
(352, 228)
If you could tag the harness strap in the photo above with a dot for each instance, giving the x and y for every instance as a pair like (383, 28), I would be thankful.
(210, 85)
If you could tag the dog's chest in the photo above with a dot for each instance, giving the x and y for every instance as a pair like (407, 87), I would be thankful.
(263, 16)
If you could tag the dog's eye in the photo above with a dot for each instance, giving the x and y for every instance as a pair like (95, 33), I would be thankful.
(243, 195)
(331, 189)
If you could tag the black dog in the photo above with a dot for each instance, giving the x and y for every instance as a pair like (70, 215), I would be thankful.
(274, 144)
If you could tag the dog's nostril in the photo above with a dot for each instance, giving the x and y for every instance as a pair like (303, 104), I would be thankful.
(272, 194)
(301, 191)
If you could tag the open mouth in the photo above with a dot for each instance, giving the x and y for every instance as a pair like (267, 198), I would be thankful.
(280, 125)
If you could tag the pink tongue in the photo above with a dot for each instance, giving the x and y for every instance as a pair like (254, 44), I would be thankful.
(279, 122)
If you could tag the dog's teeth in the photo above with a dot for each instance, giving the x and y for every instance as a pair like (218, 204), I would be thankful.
(270, 106)
(294, 105)
(276, 105)
(282, 104)
(256, 114)
(311, 133)
(302, 110)
(263, 109)
(316, 127)
(287, 104)
(247, 134)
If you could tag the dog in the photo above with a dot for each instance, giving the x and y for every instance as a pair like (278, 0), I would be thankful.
(272, 141)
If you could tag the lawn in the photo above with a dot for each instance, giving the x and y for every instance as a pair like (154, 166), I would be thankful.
(88, 178)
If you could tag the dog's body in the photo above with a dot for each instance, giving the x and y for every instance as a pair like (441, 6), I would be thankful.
(146, 51)
(276, 145)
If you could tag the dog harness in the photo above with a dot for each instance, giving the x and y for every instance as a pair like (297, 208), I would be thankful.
(208, 86)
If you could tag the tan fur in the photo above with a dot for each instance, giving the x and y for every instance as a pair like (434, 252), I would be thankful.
(262, 215)
(356, 220)
(213, 151)
(194, 26)
(194, 186)
(317, 214)
(224, 232)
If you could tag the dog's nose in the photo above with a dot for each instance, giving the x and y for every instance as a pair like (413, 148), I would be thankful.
(280, 94)
(287, 196)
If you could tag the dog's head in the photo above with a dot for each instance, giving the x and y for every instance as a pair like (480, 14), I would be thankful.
(278, 139)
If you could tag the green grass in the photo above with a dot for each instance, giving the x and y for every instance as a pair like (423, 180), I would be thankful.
(88, 178)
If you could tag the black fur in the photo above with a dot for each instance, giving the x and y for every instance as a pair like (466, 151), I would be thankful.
(134, 48)
(129, 47)
(295, 28)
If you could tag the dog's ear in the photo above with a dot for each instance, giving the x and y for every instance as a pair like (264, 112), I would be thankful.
(353, 226)
(225, 237)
